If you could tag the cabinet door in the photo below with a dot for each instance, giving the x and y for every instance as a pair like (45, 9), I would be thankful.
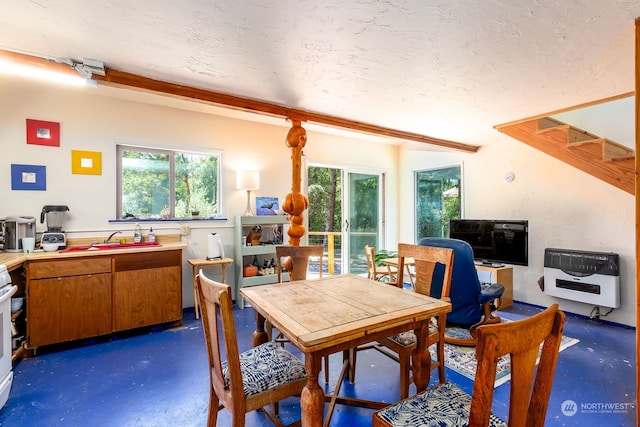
(68, 308)
(147, 297)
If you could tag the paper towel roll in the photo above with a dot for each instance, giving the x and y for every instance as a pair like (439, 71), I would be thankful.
(214, 247)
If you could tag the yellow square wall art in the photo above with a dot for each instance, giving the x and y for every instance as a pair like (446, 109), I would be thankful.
(86, 162)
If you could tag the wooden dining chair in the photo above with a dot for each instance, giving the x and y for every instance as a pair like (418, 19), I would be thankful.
(433, 268)
(246, 381)
(295, 260)
(375, 272)
(447, 404)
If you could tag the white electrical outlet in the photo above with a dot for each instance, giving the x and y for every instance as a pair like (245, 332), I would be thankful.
(184, 230)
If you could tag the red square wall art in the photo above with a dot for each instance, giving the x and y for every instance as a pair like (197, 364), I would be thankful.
(40, 132)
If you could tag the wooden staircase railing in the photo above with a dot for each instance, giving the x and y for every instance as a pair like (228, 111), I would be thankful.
(600, 157)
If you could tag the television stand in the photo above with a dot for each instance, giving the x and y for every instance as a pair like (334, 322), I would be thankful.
(489, 264)
(502, 275)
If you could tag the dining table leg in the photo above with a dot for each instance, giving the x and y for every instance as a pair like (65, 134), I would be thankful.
(312, 396)
(420, 358)
(259, 335)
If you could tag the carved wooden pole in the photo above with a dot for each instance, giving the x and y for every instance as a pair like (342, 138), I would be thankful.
(295, 203)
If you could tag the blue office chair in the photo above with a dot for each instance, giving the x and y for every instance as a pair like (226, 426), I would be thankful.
(472, 304)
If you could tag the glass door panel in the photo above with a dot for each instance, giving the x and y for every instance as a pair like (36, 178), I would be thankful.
(438, 199)
(344, 216)
(364, 221)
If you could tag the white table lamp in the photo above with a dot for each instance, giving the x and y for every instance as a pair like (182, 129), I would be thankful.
(248, 180)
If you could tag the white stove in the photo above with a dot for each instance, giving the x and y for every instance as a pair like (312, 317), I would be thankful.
(6, 374)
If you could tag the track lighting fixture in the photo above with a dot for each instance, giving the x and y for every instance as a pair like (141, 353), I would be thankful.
(22, 60)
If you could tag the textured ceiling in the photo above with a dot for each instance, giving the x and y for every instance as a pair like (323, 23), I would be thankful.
(449, 69)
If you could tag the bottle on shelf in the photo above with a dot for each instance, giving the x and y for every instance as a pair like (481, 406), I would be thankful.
(151, 237)
(137, 234)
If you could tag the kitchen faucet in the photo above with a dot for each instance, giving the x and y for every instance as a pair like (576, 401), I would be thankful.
(108, 239)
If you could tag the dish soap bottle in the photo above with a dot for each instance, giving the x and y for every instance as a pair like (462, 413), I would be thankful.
(151, 237)
(137, 234)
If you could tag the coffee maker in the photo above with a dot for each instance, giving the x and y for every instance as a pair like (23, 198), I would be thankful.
(56, 216)
(14, 228)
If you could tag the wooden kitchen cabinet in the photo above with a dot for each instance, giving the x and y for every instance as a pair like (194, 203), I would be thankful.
(68, 300)
(147, 289)
(74, 298)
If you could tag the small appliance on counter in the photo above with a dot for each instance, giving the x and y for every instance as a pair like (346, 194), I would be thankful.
(214, 247)
(14, 228)
(56, 215)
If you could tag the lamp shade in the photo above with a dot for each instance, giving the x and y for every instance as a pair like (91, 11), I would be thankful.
(247, 180)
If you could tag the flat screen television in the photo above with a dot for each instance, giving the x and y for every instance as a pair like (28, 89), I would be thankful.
(494, 241)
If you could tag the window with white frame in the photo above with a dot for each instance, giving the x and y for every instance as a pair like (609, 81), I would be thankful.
(158, 183)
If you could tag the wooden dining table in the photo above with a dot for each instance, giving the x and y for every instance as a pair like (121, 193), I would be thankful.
(328, 315)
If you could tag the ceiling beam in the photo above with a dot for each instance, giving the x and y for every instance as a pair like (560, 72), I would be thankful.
(120, 78)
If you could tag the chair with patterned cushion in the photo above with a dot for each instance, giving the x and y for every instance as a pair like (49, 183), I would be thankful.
(433, 268)
(524, 341)
(247, 381)
(472, 304)
(295, 260)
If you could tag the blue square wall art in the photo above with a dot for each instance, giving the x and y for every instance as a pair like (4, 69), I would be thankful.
(28, 177)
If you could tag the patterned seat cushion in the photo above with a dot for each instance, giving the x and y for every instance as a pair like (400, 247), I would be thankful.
(408, 338)
(265, 367)
(445, 405)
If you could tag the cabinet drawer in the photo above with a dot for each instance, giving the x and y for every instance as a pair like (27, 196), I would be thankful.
(68, 267)
(142, 261)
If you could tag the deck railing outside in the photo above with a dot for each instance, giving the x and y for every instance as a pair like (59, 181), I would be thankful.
(332, 243)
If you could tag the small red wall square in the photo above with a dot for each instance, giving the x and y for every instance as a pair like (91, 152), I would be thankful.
(40, 132)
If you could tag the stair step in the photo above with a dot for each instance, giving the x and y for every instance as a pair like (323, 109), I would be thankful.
(550, 136)
(610, 150)
(613, 151)
(575, 137)
(547, 124)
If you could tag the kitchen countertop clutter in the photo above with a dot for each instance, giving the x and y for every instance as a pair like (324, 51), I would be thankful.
(82, 247)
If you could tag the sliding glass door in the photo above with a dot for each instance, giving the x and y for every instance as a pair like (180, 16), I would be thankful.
(345, 214)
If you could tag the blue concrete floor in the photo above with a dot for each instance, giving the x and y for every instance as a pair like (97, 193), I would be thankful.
(159, 378)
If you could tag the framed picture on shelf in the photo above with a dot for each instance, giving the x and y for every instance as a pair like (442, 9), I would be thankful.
(267, 205)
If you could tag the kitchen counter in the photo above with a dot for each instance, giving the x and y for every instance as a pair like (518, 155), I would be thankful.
(81, 293)
(15, 259)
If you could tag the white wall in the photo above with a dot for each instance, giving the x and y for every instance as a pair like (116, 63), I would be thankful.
(96, 123)
(565, 207)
